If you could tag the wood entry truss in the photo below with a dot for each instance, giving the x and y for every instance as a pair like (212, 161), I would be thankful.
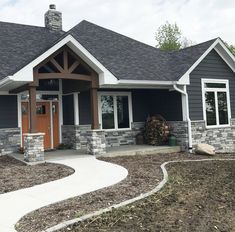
(63, 64)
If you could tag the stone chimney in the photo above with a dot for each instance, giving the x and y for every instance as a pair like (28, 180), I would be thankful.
(53, 19)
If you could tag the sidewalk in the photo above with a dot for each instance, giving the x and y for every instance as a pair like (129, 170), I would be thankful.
(90, 174)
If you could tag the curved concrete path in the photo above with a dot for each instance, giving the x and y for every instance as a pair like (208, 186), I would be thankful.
(90, 175)
(132, 200)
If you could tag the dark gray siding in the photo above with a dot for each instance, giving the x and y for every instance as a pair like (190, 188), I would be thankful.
(68, 110)
(145, 102)
(151, 102)
(211, 67)
(8, 111)
(84, 108)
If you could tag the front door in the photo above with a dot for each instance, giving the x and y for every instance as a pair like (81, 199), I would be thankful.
(47, 122)
(44, 122)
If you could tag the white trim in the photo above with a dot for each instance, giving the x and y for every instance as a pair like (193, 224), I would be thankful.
(19, 109)
(60, 109)
(186, 112)
(115, 94)
(52, 125)
(215, 91)
(219, 46)
(26, 73)
(76, 109)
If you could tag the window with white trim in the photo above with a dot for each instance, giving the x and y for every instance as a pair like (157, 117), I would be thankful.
(115, 110)
(216, 102)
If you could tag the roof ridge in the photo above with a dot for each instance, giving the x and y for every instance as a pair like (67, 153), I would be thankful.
(112, 31)
(21, 24)
(195, 45)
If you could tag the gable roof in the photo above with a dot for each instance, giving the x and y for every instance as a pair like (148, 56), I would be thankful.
(126, 58)
(129, 59)
(19, 44)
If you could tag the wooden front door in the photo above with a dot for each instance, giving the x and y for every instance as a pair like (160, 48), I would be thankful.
(47, 122)
(44, 122)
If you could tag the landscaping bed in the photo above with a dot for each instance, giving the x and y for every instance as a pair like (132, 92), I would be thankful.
(198, 197)
(144, 174)
(15, 175)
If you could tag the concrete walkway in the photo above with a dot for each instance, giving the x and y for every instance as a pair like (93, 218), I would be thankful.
(90, 175)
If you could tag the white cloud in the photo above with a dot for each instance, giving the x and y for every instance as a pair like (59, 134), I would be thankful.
(199, 20)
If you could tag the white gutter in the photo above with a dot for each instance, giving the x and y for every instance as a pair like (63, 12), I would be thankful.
(184, 92)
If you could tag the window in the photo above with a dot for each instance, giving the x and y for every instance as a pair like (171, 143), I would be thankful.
(216, 102)
(115, 110)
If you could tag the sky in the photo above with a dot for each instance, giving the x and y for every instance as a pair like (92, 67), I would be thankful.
(199, 20)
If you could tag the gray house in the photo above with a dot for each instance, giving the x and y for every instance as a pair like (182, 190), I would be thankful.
(94, 88)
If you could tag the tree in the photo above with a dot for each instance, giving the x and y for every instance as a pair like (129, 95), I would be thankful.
(231, 47)
(169, 37)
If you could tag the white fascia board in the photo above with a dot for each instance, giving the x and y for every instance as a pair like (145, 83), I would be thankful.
(106, 77)
(141, 84)
(146, 82)
(219, 46)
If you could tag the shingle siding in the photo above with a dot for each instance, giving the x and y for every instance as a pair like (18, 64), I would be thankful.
(8, 111)
(211, 67)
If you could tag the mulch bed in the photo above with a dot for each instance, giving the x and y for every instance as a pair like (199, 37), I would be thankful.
(144, 175)
(15, 175)
(199, 197)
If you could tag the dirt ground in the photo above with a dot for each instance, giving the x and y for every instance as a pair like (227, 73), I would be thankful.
(144, 175)
(198, 197)
(15, 175)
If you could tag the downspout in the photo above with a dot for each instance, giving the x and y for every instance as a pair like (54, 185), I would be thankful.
(184, 92)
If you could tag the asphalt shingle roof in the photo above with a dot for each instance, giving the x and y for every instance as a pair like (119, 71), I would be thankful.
(126, 58)
(20, 44)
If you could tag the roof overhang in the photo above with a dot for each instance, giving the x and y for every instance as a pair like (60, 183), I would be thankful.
(221, 49)
(25, 75)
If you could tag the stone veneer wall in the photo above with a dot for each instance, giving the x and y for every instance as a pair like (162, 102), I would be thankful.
(96, 144)
(180, 130)
(76, 136)
(34, 147)
(9, 140)
(223, 139)
(123, 137)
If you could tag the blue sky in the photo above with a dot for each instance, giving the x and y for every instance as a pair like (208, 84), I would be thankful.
(199, 20)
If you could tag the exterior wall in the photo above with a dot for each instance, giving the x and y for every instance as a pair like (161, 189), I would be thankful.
(123, 137)
(223, 139)
(180, 130)
(9, 140)
(150, 102)
(84, 108)
(212, 67)
(77, 136)
(8, 111)
(68, 110)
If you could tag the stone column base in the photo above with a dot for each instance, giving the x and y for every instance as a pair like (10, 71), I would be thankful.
(96, 144)
(34, 147)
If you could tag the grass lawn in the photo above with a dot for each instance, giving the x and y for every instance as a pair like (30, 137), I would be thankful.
(15, 175)
(198, 197)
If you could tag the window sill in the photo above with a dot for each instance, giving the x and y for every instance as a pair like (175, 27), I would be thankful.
(114, 130)
(218, 126)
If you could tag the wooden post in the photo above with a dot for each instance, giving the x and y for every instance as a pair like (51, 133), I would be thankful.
(94, 109)
(32, 109)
